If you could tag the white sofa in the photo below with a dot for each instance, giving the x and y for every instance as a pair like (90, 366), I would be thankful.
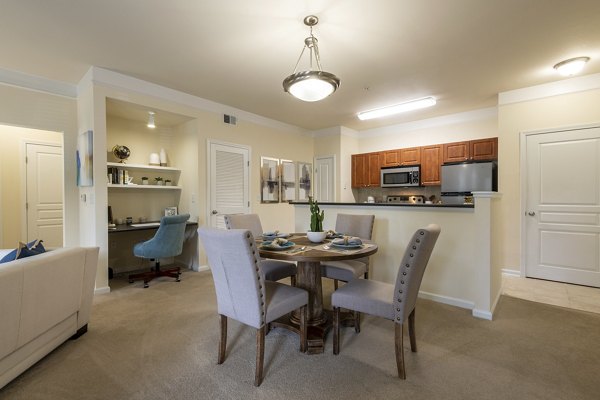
(44, 300)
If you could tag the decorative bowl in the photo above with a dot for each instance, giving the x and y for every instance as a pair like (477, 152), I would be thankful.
(316, 237)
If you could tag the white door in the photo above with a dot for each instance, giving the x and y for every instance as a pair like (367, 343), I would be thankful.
(44, 202)
(229, 176)
(325, 179)
(562, 211)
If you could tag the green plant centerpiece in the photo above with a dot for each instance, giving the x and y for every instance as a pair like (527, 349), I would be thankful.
(316, 233)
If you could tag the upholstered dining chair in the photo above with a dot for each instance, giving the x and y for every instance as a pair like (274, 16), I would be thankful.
(167, 242)
(393, 302)
(242, 291)
(350, 225)
(273, 270)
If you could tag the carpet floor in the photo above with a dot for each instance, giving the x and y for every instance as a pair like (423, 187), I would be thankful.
(161, 343)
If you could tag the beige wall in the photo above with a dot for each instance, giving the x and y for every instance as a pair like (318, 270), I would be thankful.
(553, 112)
(38, 110)
(13, 178)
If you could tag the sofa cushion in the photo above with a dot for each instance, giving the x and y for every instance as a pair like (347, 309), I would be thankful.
(24, 250)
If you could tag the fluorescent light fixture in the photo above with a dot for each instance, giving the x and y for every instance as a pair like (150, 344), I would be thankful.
(397, 108)
(151, 120)
(571, 66)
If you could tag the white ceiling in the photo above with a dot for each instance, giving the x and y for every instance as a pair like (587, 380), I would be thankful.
(237, 52)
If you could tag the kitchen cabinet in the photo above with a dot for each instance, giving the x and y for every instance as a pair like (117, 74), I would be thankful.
(456, 152)
(410, 156)
(484, 149)
(366, 169)
(473, 150)
(391, 158)
(431, 162)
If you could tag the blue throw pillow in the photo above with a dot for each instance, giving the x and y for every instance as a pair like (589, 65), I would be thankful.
(24, 250)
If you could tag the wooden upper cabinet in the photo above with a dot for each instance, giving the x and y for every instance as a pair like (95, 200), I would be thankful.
(410, 156)
(359, 164)
(484, 149)
(391, 158)
(456, 152)
(374, 169)
(431, 162)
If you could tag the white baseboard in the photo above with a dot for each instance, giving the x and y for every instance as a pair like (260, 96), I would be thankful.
(511, 272)
(482, 314)
(102, 290)
(447, 300)
(202, 268)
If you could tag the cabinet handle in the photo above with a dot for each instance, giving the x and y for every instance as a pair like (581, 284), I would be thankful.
(215, 212)
(531, 213)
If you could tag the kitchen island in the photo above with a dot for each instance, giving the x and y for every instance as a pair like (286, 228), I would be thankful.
(459, 271)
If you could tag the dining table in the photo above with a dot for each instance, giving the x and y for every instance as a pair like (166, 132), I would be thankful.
(308, 257)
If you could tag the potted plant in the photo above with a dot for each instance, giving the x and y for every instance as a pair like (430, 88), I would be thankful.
(167, 182)
(159, 181)
(144, 180)
(316, 233)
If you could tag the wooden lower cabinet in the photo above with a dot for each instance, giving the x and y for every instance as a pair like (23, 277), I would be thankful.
(431, 162)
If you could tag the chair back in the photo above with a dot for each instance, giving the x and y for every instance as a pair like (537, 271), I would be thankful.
(355, 225)
(244, 221)
(235, 266)
(168, 239)
(412, 269)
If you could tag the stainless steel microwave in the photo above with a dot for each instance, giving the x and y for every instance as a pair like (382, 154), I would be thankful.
(401, 176)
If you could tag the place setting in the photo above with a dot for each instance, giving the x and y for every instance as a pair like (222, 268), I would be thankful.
(282, 244)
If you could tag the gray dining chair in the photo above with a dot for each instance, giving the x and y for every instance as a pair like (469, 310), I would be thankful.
(350, 225)
(394, 302)
(273, 270)
(242, 291)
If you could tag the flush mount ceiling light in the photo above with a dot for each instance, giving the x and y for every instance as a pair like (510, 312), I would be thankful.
(397, 108)
(571, 66)
(311, 85)
(151, 120)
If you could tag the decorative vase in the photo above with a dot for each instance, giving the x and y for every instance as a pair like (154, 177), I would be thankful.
(316, 237)
(163, 158)
(154, 159)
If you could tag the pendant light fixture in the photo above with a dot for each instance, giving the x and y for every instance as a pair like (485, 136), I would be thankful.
(311, 85)
(151, 124)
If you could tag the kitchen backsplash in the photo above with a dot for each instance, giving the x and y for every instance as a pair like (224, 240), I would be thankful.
(380, 194)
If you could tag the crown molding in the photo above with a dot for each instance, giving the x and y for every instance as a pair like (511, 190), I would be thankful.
(565, 86)
(451, 119)
(108, 78)
(37, 83)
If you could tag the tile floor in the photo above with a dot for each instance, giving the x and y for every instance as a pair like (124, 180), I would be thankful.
(559, 294)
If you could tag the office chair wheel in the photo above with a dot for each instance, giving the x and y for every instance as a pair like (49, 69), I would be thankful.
(178, 279)
(146, 286)
(131, 281)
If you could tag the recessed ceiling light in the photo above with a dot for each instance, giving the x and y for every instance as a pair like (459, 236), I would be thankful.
(571, 66)
(397, 108)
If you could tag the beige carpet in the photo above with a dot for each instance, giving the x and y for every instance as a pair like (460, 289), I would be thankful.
(161, 342)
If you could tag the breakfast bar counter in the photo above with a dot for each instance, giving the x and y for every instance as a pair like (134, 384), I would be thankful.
(459, 271)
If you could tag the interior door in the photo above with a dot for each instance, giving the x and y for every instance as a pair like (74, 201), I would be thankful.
(229, 176)
(325, 179)
(44, 194)
(562, 215)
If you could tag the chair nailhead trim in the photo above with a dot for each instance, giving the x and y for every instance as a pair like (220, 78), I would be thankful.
(398, 318)
(414, 247)
(399, 291)
(412, 255)
(397, 309)
(404, 273)
(418, 240)
(421, 233)
(402, 282)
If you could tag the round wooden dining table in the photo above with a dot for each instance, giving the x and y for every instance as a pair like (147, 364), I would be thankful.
(309, 260)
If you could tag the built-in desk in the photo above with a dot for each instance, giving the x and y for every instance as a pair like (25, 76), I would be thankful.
(122, 238)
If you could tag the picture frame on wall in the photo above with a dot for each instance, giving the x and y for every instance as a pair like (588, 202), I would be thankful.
(85, 159)
(305, 173)
(269, 180)
(288, 180)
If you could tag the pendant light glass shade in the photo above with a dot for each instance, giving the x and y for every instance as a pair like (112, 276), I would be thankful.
(311, 85)
(151, 124)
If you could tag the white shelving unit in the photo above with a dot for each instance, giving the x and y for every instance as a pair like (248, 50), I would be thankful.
(137, 170)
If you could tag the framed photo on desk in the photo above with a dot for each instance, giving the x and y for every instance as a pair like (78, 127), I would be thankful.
(170, 211)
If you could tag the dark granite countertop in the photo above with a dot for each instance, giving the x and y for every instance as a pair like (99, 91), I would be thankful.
(304, 203)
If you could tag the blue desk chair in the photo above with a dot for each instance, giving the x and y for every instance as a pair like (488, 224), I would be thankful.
(167, 242)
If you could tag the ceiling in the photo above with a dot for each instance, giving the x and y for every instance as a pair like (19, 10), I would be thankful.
(237, 52)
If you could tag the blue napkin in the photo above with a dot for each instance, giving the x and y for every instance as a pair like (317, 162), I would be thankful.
(352, 241)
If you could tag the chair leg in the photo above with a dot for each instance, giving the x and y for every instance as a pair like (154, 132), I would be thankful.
(293, 280)
(223, 341)
(260, 355)
(336, 330)
(399, 342)
(411, 331)
(356, 322)
(303, 330)
(335, 284)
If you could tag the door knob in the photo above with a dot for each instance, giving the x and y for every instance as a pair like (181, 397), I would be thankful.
(531, 213)
(214, 212)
